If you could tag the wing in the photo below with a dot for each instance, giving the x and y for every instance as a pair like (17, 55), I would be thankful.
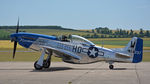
(64, 52)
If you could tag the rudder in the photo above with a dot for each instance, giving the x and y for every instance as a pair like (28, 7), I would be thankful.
(138, 53)
(135, 48)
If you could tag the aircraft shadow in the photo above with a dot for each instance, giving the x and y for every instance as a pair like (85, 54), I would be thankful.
(64, 69)
(68, 68)
(53, 69)
(103, 69)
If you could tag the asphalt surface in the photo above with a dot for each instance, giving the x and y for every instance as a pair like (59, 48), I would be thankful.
(63, 73)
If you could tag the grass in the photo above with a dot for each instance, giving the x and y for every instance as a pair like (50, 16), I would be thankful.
(4, 34)
(6, 44)
(23, 56)
(146, 56)
(52, 31)
(33, 56)
(108, 43)
(119, 41)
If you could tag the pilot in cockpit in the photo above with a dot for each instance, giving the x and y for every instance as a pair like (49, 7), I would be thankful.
(64, 38)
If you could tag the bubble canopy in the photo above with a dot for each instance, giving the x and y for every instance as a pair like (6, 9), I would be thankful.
(79, 39)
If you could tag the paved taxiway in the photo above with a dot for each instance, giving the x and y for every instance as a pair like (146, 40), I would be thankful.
(63, 73)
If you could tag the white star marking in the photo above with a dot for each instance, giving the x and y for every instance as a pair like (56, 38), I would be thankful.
(92, 52)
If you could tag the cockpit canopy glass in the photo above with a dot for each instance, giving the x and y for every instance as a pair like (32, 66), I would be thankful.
(79, 39)
(75, 39)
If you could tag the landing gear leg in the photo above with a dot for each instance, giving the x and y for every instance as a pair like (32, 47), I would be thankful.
(111, 66)
(41, 63)
(38, 65)
(47, 61)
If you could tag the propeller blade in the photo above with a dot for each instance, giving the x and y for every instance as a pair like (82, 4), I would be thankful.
(17, 26)
(14, 51)
(15, 42)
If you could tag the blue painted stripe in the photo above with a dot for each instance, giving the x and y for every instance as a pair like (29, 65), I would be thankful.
(138, 54)
(38, 35)
(27, 39)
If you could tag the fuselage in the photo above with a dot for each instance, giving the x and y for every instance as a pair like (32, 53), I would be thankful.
(70, 51)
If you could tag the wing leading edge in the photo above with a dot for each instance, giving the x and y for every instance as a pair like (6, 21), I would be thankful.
(64, 52)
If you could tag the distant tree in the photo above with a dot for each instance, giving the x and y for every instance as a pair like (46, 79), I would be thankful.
(104, 30)
(135, 34)
(97, 30)
(147, 33)
(117, 32)
(95, 35)
(87, 36)
(127, 33)
(120, 32)
(124, 32)
(141, 34)
(110, 32)
(93, 31)
(131, 33)
(87, 31)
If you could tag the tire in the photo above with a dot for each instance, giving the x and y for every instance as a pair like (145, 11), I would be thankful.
(46, 64)
(37, 67)
(111, 67)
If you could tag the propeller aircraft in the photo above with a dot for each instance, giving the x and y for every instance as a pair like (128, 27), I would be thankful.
(76, 49)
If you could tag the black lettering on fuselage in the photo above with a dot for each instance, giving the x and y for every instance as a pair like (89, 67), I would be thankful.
(74, 49)
(79, 49)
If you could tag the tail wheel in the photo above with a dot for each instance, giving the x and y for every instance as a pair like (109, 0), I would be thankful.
(111, 67)
(46, 64)
(37, 67)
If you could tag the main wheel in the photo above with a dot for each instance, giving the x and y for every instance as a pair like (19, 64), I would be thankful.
(46, 64)
(111, 67)
(37, 67)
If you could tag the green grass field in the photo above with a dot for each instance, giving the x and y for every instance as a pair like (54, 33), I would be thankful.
(33, 56)
(23, 56)
(118, 41)
(51, 31)
(122, 43)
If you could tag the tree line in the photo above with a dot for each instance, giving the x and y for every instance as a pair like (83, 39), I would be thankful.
(105, 32)
(100, 32)
(35, 27)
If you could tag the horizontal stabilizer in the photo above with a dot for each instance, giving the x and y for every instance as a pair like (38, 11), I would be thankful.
(122, 55)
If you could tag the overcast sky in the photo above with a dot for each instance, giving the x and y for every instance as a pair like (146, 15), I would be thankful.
(77, 14)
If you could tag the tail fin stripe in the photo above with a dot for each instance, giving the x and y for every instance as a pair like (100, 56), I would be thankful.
(138, 51)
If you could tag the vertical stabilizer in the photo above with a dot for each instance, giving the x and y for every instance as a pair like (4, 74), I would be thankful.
(135, 47)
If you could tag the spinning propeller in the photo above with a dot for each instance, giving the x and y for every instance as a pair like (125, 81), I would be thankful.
(15, 42)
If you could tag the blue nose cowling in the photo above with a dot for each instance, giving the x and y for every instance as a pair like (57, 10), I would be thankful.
(13, 37)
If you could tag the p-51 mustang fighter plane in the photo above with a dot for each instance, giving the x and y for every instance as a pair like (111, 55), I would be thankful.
(76, 49)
